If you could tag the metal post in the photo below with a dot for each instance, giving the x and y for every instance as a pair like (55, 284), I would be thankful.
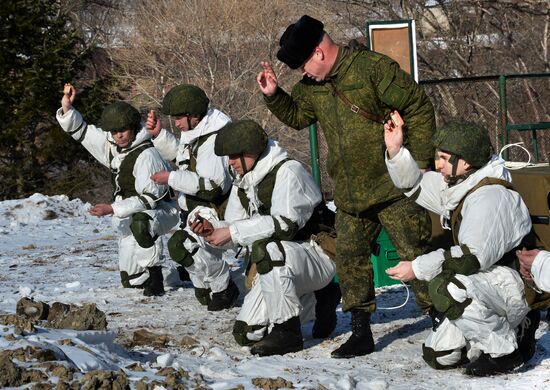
(314, 150)
(503, 114)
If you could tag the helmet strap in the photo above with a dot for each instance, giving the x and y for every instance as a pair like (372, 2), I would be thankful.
(243, 164)
(189, 126)
(453, 178)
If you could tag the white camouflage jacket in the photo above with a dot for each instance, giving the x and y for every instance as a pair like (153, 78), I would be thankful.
(295, 196)
(100, 144)
(211, 171)
(494, 218)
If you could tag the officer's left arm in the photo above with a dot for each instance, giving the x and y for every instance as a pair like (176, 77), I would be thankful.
(398, 90)
(149, 193)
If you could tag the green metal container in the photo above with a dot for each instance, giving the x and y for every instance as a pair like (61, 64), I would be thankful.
(383, 257)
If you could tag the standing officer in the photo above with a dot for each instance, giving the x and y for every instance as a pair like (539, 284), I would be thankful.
(350, 91)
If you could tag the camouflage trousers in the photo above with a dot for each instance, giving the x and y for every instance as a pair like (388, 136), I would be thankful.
(408, 227)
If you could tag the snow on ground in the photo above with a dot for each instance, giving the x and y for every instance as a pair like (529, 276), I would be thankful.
(52, 250)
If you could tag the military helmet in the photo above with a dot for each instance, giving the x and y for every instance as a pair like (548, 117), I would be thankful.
(120, 116)
(185, 99)
(239, 137)
(466, 140)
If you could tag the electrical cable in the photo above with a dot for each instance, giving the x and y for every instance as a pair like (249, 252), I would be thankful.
(401, 305)
(514, 165)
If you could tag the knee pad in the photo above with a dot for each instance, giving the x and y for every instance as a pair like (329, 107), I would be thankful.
(125, 279)
(443, 360)
(240, 331)
(140, 229)
(443, 301)
(203, 295)
(177, 250)
(261, 257)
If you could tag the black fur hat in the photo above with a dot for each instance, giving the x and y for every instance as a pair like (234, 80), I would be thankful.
(299, 40)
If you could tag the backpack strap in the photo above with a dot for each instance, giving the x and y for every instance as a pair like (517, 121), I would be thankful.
(456, 217)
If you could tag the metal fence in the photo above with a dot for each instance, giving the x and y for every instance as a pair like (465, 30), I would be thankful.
(514, 108)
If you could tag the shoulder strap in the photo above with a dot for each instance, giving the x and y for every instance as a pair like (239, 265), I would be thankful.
(353, 107)
(265, 190)
(192, 151)
(123, 179)
(456, 217)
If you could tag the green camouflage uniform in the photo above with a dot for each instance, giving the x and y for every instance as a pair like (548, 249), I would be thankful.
(365, 195)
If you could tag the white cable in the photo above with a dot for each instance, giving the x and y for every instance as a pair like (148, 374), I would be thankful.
(513, 165)
(400, 306)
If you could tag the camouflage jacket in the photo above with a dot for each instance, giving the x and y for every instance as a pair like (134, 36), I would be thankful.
(377, 85)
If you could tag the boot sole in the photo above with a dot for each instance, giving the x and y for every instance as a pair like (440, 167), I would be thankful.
(283, 352)
(349, 355)
(232, 304)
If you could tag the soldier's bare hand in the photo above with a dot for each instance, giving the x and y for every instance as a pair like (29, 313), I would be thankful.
(219, 237)
(526, 258)
(267, 80)
(402, 271)
(153, 124)
(101, 209)
(69, 93)
(201, 226)
(393, 134)
(160, 177)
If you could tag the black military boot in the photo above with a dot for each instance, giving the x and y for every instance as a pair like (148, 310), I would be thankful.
(485, 365)
(360, 342)
(436, 317)
(155, 284)
(225, 299)
(527, 343)
(328, 299)
(182, 273)
(283, 338)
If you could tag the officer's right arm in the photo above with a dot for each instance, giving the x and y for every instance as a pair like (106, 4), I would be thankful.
(295, 111)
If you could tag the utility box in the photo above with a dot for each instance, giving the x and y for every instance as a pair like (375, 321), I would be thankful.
(383, 257)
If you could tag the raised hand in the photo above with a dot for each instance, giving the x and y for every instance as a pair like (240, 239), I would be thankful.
(393, 134)
(69, 94)
(153, 124)
(267, 80)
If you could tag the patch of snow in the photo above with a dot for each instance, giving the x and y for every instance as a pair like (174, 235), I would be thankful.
(71, 257)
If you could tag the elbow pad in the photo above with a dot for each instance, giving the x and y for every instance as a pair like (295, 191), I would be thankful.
(467, 264)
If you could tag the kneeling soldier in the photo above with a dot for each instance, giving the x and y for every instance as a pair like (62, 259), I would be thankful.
(142, 210)
(474, 284)
(272, 211)
(202, 179)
